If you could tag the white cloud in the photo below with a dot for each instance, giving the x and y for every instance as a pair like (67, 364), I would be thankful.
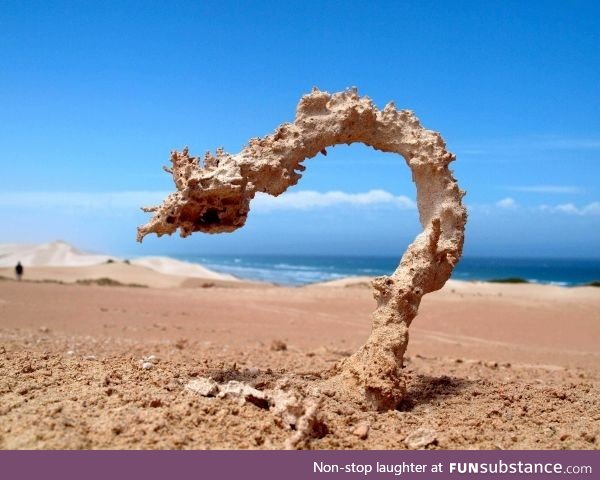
(307, 199)
(135, 199)
(591, 209)
(507, 203)
(115, 202)
(559, 189)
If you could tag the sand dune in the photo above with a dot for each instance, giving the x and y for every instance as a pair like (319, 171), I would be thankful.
(10, 248)
(517, 292)
(170, 266)
(126, 274)
(62, 262)
(346, 282)
(53, 254)
(119, 272)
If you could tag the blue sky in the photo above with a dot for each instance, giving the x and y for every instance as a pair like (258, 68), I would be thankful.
(94, 96)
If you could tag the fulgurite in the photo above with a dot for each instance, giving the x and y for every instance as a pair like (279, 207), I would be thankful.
(215, 197)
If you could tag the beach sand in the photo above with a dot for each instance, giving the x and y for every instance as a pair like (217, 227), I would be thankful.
(488, 365)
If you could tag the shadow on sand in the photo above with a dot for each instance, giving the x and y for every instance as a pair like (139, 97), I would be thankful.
(425, 389)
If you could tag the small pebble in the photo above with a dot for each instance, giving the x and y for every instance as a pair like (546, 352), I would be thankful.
(278, 346)
(206, 387)
(151, 359)
(147, 365)
(420, 438)
(362, 431)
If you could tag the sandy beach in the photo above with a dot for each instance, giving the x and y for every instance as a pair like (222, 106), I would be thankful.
(489, 366)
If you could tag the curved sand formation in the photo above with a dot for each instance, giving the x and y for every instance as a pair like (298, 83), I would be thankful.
(215, 198)
(53, 254)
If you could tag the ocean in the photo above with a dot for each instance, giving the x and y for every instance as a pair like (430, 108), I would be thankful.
(305, 269)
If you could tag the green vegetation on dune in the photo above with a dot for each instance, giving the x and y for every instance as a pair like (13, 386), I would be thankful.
(509, 280)
(103, 282)
(26, 280)
(108, 282)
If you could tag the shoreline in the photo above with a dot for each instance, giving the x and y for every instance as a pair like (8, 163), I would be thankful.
(59, 261)
(309, 269)
(133, 275)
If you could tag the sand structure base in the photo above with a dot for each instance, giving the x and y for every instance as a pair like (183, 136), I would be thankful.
(117, 367)
(214, 195)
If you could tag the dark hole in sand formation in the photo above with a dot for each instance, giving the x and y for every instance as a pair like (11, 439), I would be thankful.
(209, 217)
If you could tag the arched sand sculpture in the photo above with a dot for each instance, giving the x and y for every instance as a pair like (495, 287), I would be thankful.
(215, 197)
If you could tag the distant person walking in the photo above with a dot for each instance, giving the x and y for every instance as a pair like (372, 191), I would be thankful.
(19, 271)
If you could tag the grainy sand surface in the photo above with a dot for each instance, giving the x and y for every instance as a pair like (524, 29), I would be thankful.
(489, 366)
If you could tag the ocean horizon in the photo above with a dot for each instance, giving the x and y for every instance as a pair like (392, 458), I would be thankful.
(305, 269)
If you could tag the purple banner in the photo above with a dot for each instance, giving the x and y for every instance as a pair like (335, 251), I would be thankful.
(172, 465)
